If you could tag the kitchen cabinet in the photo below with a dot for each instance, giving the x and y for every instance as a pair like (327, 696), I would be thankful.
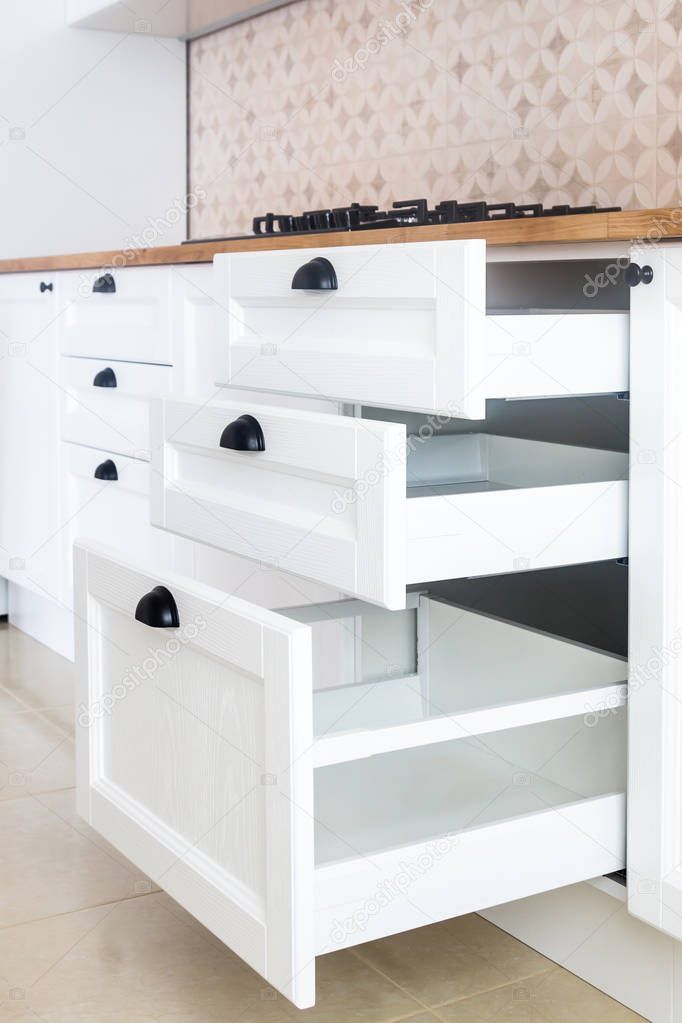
(655, 737)
(493, 753)
(29, 383)
(284, 706)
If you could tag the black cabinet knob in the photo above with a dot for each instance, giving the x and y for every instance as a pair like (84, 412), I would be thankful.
(244, 434)
(106, 471)
(158, 609)
(636, 274)
(105, 378)
(46, 287)
(316, 275)
(105, 284)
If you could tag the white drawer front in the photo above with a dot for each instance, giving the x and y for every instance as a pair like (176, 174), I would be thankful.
(193, 758)
(112, 511)
(384, 337)
(195, 746)
(115, 418)
(285, 506)
(328, 499)
(131, 323)
(407, 328)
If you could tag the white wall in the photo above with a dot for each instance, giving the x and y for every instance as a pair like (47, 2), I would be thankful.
(92, 134)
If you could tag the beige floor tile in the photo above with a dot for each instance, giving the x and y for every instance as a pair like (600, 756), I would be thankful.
(63, 805)
(32, 673)
(9, 704)
(36, 753)
(47, 867)
(553, 997)
(454, 959)
(137, 962)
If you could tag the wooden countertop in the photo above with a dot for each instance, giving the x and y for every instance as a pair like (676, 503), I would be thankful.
(650, 225)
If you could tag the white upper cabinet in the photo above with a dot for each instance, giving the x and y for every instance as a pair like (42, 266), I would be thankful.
(408, 326)
(655, 743)
(180, 18)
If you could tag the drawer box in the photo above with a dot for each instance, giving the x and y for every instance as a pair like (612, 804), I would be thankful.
(407, 328)
(133, 323)
(203, 772)
(360, 506)
(112, 511)
(115, 418)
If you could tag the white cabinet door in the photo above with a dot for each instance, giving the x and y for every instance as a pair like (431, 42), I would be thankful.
(194, 755)
(655, 744)
(30, 519)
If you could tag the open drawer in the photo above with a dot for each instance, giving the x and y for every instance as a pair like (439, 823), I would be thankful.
(200, 715)
(362, 507)
(415, 326)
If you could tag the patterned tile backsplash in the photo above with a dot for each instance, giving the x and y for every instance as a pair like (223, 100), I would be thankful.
(322, 103)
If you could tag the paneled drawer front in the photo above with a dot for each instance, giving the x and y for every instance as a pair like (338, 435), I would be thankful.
(193, 756)
(197, 731)
(112, 510)
(132, 323)
(381, 337)
(335, 500)
(407, 328)
(115, 418)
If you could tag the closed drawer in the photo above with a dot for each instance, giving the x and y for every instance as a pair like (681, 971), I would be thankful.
(364, 508)
(199, 729)
(106, 404)
(113, 509)
(131, 323)
(407, 328)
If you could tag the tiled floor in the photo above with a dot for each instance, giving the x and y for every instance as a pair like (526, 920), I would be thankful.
(85, 937)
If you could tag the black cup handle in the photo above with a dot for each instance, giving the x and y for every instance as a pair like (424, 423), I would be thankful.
(105, 285)
(106, 470)
(244, 434)
(105, 378)
(316, 275)
(158, 609)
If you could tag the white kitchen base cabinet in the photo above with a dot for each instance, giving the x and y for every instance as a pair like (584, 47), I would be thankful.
(200, 718)
(366, 509)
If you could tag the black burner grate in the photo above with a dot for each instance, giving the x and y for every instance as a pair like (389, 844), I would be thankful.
(410, 213)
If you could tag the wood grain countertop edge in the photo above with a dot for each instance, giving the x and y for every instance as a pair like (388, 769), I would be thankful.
(650, 226)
